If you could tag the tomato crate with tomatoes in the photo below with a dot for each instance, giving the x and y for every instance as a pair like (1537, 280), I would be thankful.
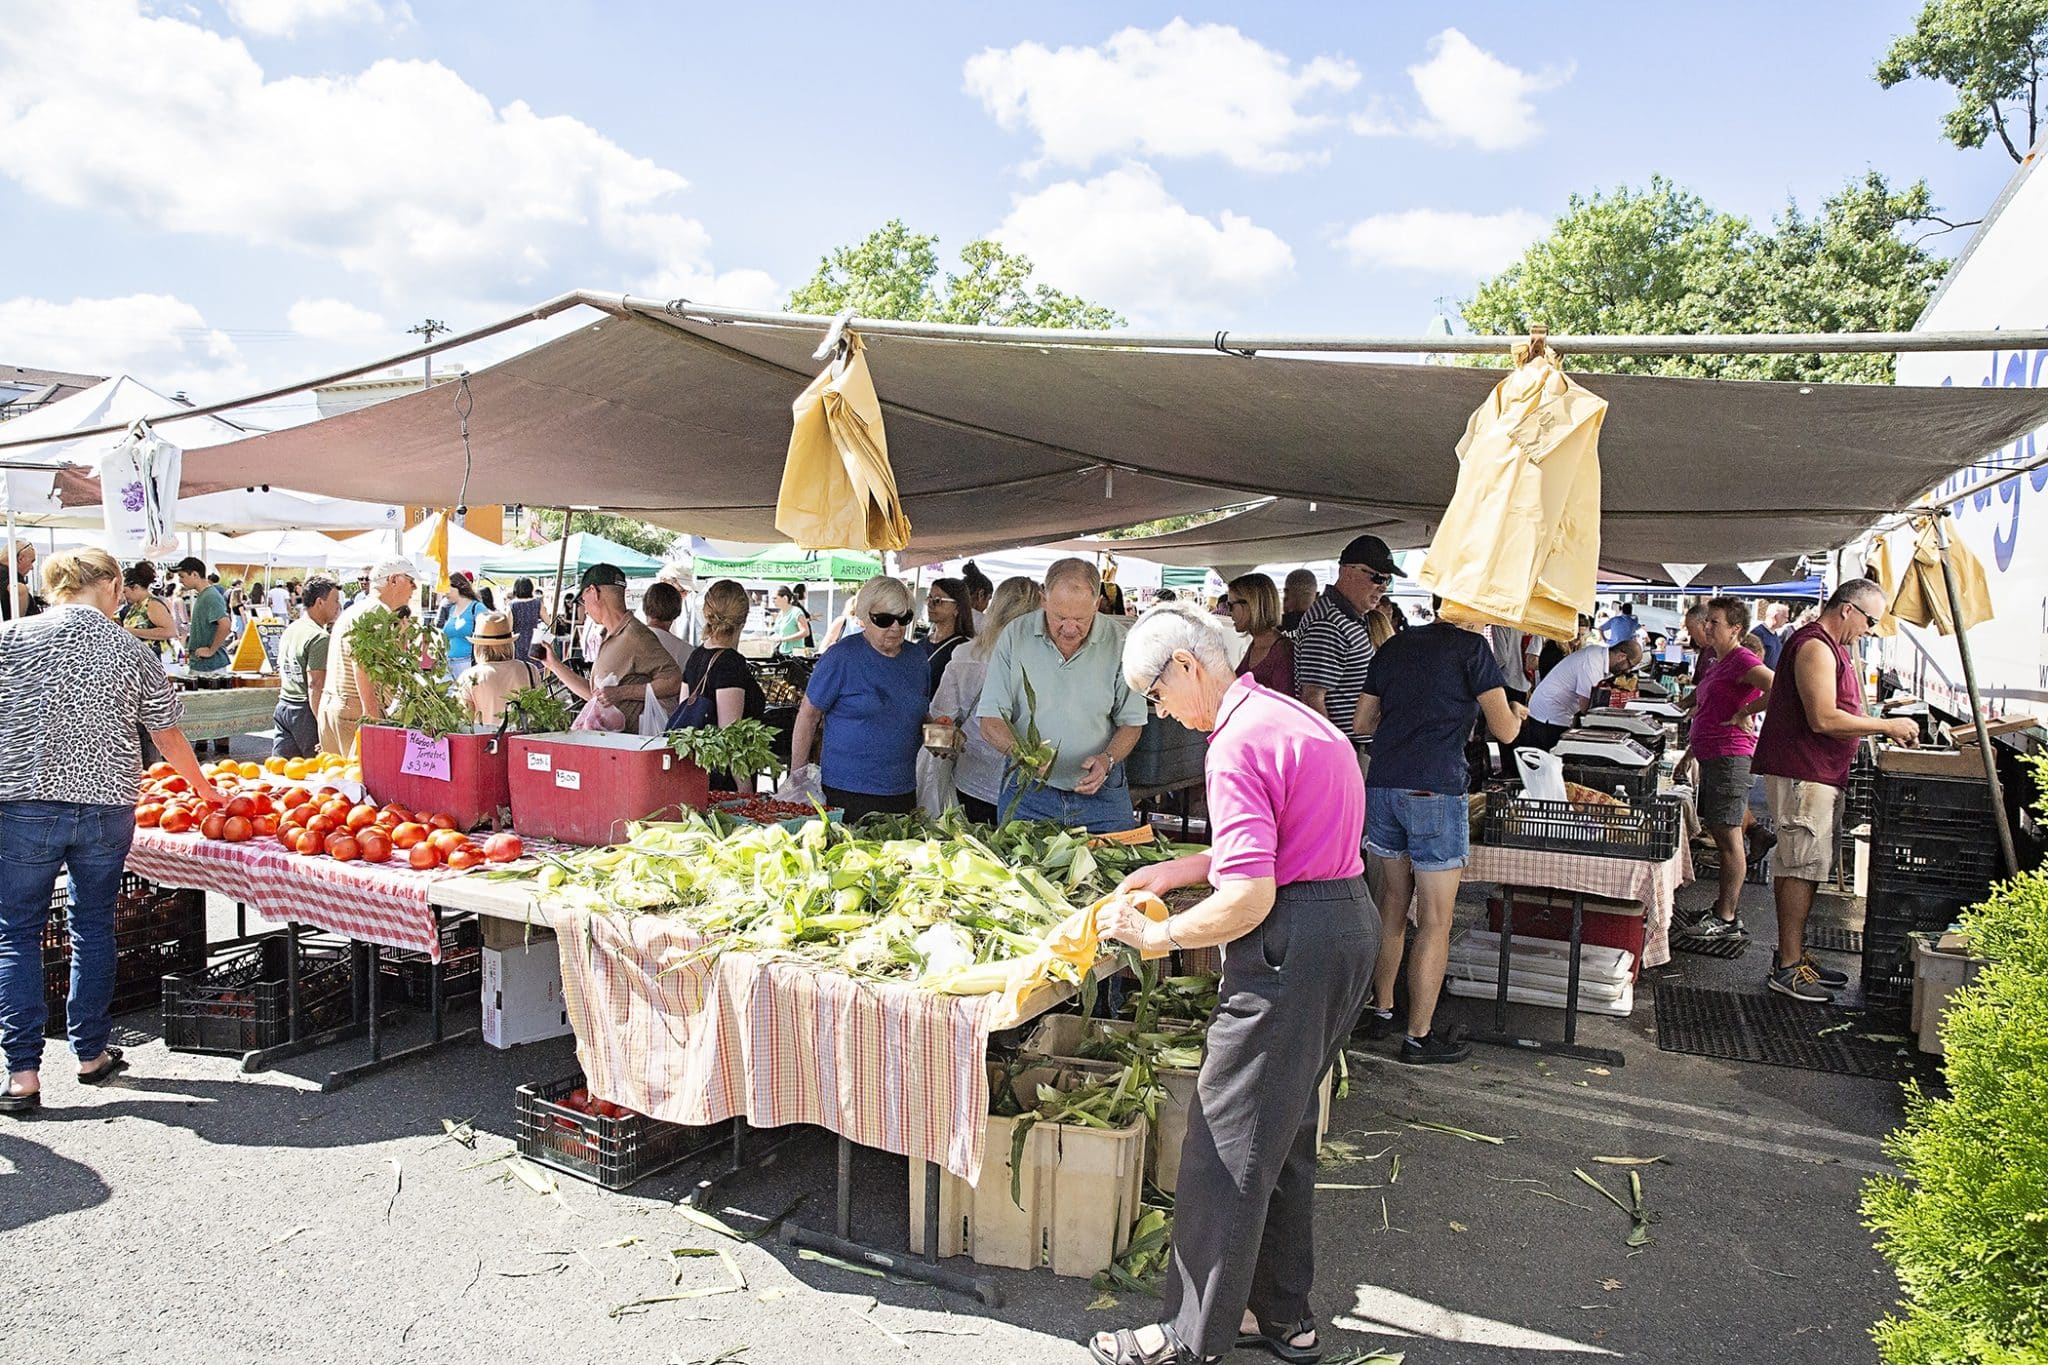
(238, 1003)
(561, 1125)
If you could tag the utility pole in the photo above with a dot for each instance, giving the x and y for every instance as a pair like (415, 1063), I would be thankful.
(430, 328)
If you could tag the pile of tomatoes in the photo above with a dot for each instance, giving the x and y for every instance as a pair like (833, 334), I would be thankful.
(766, 810)
(313, 822)
(583, 1102)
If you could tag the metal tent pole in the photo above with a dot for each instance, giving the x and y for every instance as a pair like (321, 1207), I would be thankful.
(1955, 607)
(562, 564)
(13, 579)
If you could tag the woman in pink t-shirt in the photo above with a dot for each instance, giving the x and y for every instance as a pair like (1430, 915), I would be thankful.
(1730, 695)
(1286, 812)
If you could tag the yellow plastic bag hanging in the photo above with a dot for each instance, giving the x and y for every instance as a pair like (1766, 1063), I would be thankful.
(838, 491)
(1922, 598)
(437, 550)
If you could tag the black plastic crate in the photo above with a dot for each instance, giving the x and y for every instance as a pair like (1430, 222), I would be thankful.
(613, 1152)
(1649, 832)
(157, 930)
(239, 1003)
(1891, 917)
(1933, 833)
(408, 975)
(1637, 786)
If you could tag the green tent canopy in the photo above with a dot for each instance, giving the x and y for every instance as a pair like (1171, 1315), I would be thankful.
(585, 549)
(788, 564)
(1176, 577)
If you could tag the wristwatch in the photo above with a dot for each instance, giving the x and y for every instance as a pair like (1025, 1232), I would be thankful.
(1167, 925)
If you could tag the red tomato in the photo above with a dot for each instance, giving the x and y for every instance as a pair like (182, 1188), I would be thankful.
(176, 820)
(243, 806)
(214, 826)
(336, 808)
(399, 814)
(423, 857)
(289, 837)
(264, 805)
(465, 856)
(343, 848)
(175, 783)
(446, 841)
(147, 816)
(408, 834)
(295, 796)
(322, 825)
(160, 771)
(375, 845)
(361, 818)
(441, 821)
(503, 848)
(266, 825)
(306, 842)
(237, 829)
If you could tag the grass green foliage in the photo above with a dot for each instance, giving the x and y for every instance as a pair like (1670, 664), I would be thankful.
(1967, 1226)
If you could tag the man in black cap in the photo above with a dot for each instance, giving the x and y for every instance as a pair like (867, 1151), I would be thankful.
(1333, 648)
(630, 658)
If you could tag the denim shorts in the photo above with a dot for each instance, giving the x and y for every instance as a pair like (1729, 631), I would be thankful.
(1430, 829)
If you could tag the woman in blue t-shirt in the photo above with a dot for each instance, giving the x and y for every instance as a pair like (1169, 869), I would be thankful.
(459, 622)
(869, 694)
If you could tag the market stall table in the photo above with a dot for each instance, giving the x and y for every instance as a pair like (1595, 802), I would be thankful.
(1651, 884)
(224, 712)
(376, 905)
(696, 1037)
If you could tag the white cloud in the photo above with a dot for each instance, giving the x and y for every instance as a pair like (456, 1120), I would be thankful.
(337, 320)
(1436, 242)
(159, 338)
(1122, 240)
(402, 172)
(284, 18)
(1186, 90)
(1467, 95)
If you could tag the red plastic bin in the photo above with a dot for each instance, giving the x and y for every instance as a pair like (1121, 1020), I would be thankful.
(476, 790)
(586, 786)
(1548, 914)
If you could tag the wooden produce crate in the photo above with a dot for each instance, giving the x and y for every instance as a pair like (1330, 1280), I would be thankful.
(1078, 1194)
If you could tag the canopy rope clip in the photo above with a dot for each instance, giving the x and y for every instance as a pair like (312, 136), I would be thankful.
(835, 336)
(1538, 344)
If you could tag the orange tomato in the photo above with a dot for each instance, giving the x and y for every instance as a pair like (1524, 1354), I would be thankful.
(465, 856)
(160, 771)
(408, 834)
(214, 826)
(322, 825)
(343, 848)
(440, 821)
(237, 829)
(289, 838)
(360, 818)
(243, 806)
(175, 783)
(423, 857)
(266, 825)
(375, 845)
(446, 841)
(147, 816)
(295, 796)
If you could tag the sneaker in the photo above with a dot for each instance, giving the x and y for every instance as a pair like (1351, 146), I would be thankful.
(1376, 1025)
(1760, 841)
(1800, 982)
(1435, 1048)
(1711, 925)
(1827, 976)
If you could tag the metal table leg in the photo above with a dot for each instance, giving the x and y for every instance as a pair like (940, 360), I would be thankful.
(349, 1075)
(924, 1270)
(1566, 1046)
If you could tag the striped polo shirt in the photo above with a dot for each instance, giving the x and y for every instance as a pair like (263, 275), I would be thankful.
(1332, 650)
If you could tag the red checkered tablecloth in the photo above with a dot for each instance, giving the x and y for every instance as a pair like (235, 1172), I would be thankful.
(696, 1037)
(1654, 885)
(374, 902)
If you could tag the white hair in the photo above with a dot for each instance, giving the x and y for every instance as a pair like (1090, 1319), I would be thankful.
(393, 568)
(883, 593)
(1165, 629)
(1073, 570)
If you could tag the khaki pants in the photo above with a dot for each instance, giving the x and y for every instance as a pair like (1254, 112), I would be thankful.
(338, 730)
(1804, 813)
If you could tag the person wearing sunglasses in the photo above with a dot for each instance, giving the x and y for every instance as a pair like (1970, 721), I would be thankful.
(1333, 648)
(868, 695)
(946, 607)
(1287, 895)
(1254, 606)
(1813, 722)
(627, 662)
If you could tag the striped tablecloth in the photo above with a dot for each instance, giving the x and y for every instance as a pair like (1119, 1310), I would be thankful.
(1654, 885)
(696, 1037)
(374, 902)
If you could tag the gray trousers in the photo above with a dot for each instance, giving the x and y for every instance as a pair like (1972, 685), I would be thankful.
(298, 731)
(1243, 1226)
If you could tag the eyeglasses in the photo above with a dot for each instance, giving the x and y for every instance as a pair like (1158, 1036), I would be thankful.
(1862, 613)
(1152, 690)
(885, 619)
(1235, 602)
(931, 602)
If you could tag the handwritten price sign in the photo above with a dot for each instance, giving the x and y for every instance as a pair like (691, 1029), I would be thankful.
(425, 757)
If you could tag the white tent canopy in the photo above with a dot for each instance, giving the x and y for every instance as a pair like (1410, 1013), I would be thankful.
(37, 496)
(285, 549)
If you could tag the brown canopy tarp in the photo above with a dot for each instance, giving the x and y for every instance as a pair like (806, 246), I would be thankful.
(685, 423)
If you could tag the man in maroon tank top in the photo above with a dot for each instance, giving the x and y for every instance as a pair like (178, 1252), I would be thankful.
(1810, 732)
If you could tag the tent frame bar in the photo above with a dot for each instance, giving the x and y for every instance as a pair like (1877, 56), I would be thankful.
(1984, 749)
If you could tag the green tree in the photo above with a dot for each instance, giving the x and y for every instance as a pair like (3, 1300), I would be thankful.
(636, 535)
(1993, 53)
(1661, 260)
(894, 273)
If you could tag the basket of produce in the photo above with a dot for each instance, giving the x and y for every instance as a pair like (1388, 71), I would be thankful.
(561, 1124)
(1587, 822)
(240, 1002)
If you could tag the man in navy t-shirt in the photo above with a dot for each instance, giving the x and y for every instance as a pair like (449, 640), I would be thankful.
(1423, 691)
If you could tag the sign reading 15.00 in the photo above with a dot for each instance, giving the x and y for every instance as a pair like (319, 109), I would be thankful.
(2011, 370)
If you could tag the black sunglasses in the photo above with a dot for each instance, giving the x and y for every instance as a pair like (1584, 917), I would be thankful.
(885, 619)
(1862, 613)
(1235, 602)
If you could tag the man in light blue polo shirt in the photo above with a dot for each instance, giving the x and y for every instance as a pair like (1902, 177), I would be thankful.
(1084, 708)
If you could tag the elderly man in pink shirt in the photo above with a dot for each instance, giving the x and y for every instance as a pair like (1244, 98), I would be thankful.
(1300, 935)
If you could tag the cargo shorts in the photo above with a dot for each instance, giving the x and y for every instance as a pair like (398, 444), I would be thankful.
(1804, 813)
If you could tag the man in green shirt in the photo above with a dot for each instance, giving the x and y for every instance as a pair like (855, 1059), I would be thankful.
(302, 670)
(206, 643)
(1079, 700)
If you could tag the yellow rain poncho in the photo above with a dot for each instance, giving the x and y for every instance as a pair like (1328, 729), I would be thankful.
(838, 491)
(1075, 944)
(1922, 598)
(1520, 543)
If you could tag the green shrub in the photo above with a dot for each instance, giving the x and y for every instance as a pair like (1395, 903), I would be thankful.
(1967, 1227)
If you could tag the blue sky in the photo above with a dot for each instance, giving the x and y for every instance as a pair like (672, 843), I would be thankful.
(240, 192)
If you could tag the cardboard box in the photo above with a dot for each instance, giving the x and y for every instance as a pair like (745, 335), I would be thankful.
(1962, 761)
(522, 994)
(1938, 974)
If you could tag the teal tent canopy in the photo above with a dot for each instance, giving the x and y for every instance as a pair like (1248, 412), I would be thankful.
(1176, 577)
(585, 549)
(788, 564)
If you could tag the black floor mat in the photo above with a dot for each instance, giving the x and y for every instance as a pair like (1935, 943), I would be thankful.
(1831, 939)
(1761, 1026)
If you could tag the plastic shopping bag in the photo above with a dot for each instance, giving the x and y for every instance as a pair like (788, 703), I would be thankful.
(1542, 774)
(935, 794)
(802, 784)
(595, 715)
(653, 715)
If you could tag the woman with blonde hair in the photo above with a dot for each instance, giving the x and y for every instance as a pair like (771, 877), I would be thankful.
(977, 768)
(485, 686)
(1254, 605)
(718, 686)
(868, 692)
(77, 693)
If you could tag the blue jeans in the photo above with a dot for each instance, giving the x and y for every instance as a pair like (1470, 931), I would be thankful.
(1430, 829)
(1108, 811)
(36, 839)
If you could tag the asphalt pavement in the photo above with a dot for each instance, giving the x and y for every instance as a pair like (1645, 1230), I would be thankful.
(191, 1213)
